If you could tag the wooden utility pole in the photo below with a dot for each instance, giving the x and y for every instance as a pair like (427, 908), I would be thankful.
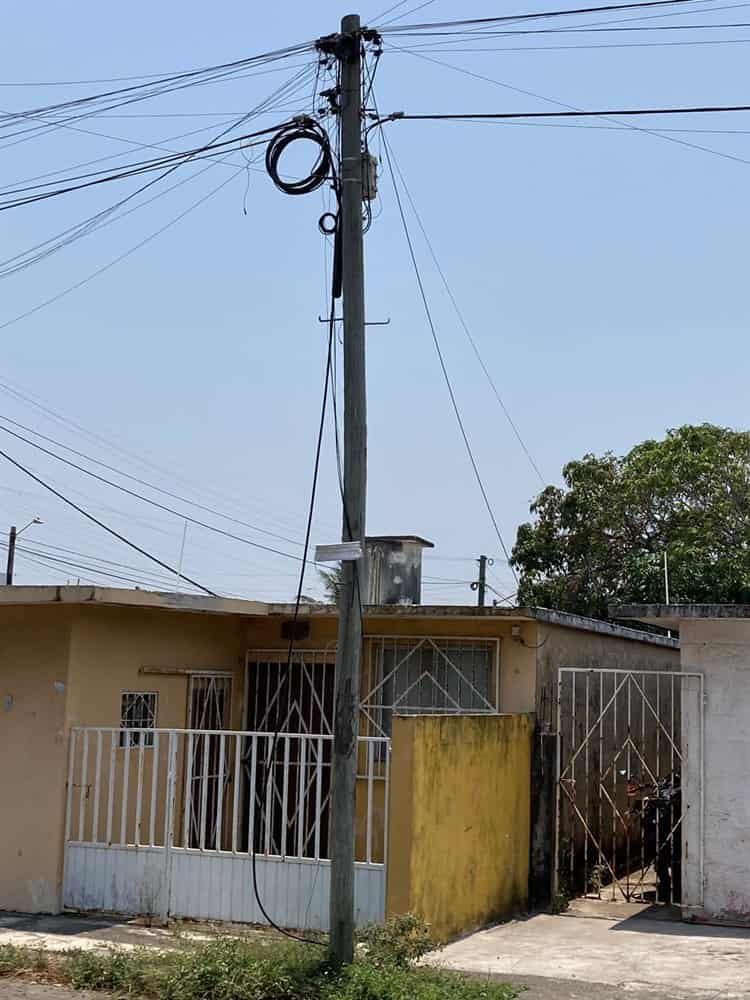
(11, 555)
(354, 582)
(482, 585)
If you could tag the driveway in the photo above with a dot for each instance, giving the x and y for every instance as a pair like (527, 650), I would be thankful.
(599, 950)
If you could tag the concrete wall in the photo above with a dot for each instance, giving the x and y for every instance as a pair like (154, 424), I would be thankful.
(111, 646)
(459, 819)
(34, 649)
(721, 649)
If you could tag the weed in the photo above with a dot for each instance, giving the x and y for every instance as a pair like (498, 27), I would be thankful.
(230, 968)
(399, 941)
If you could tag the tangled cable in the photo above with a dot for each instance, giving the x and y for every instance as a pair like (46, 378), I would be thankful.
(302, 129)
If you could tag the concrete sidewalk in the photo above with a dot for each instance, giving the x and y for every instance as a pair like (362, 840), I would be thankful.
(68, 932)
(597, 948)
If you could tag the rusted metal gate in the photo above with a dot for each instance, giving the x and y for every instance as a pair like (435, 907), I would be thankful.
(625, 782)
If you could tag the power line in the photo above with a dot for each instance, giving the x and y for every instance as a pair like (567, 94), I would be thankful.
(145, 482)
(61, 550)
(166, 84)
(123, 256)
(45, 558)
(591, 47)
(438, 349)
(406, 13)
(467, 331)
(111, 445)
(170, 161)
(480, 21)
(561, 104)
(489, 116)
(101, 524)
(577, 30)
(87, 83)
(149, 500)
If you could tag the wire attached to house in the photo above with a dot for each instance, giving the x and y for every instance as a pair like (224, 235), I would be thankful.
(271, 759)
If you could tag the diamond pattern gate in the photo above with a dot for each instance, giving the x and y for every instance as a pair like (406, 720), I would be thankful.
(423, 676)
(622, 771)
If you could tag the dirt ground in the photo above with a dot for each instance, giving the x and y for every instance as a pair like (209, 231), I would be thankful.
(16, 989)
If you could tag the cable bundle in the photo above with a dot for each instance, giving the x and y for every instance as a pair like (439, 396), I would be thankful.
(301, 130)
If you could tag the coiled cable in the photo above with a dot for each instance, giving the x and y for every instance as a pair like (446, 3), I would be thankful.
(301, 130)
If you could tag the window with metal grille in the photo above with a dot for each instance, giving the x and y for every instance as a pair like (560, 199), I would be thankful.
(137, 712)
(425, 676)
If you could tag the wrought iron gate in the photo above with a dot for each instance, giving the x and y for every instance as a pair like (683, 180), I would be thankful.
(625, 782)
(209, 708)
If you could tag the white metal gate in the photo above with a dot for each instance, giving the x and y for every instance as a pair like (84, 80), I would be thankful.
(627, 782)
(143, 836)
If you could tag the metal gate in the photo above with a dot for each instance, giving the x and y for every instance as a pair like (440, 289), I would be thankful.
(627, 782)
(137, 842)
(209, 709)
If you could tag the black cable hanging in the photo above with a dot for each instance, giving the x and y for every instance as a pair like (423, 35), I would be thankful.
(301, 130)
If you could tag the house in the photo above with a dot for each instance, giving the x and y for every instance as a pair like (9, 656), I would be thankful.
(715, 649)
(164, 759)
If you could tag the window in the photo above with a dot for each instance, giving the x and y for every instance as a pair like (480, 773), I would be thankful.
(137, 712)
(425, 676)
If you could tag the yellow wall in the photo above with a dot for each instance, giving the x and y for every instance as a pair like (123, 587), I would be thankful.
(34, 645)
(517, 665)
(458, 850)
(109, 649)
(111, 645)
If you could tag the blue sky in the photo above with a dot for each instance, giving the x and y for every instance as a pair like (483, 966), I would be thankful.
(602, 272)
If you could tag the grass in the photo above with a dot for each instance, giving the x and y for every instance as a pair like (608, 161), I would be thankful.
(234, 969)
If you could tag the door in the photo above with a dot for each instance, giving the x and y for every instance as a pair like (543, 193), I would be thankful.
(208, 772)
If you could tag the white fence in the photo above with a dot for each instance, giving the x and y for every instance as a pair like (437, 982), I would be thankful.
(184, 823)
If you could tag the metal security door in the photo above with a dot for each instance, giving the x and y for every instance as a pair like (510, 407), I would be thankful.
(625, 782)
(209, 710)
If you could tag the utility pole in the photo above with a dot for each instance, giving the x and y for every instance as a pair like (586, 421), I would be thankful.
(482, 586)
(11, 555)
(12, 536)
(354, 583)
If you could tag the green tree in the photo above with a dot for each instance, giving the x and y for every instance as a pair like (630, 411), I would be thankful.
(331, 580)
(601, 538)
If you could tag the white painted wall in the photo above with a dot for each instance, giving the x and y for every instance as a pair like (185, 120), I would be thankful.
(719, 648)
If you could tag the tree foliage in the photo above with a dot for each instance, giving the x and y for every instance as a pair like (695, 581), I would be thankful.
(601, 539)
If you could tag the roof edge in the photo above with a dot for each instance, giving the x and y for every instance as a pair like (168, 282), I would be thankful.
(120, 597)
(655, 612)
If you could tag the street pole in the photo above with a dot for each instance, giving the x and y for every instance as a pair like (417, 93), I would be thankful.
(11, 555)
(482, 581)
(353, 584)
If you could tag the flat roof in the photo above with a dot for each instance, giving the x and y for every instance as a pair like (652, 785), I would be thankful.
(198, 603)
(124, 598)
(464, 611)
(671, 615)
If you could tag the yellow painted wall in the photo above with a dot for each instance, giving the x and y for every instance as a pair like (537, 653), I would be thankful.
(34, 645)
(109, 648)
(111, 645)
(518, 664)
(458, 850)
